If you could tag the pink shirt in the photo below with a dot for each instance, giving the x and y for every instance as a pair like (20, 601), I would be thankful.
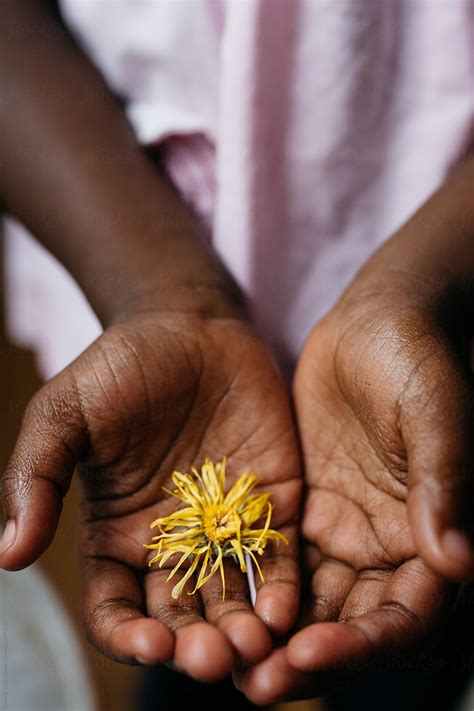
(304, 132)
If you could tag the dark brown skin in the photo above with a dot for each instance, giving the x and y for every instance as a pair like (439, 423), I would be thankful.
(382, 394)
(178, 374)
(153, 394)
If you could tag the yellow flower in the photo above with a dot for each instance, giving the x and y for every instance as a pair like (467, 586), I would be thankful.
(213, 525)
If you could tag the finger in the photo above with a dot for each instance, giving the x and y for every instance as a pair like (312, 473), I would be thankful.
(38, 474)
(413, 599)
(234, 614)
(366, 593)
(278, 593)
(438, 433)
(201, 651)
(114, 618)
(277, 599)
(274, 680)
(330, 585)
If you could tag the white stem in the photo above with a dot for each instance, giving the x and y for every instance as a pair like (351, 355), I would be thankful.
(251, 578)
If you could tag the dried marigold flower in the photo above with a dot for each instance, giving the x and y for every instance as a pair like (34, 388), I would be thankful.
(213, 525)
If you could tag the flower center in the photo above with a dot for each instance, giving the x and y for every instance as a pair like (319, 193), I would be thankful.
(221, 522)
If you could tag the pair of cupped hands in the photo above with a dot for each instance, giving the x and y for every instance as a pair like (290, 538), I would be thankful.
(368, 461)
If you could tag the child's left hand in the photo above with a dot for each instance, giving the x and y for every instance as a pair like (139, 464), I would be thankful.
(383, 394)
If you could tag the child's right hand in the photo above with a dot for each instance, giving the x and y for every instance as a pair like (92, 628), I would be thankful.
(156, 392)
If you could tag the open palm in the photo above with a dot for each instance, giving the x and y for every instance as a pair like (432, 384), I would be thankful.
(152, 395)
(366, 406)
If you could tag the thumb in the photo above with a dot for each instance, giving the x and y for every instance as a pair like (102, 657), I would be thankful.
(39, 472)
(438, 435)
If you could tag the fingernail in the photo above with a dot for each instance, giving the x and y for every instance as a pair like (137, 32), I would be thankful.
(456, 545)
(142, 660)
(8, 537)
(237, 678)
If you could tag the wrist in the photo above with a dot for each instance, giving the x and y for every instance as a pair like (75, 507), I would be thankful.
(207, 297)
(152, 253)
(431, 254)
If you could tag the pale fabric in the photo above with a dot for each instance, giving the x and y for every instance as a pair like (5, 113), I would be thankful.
(304, 133)
(41, 665)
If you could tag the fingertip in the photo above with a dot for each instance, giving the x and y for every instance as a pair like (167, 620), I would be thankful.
(269, 682)
(8, 538)
(301, 650)
(31, 529)
(445, 549)
(277, 606)
(146, 640)
(203, 652)
(457, 555)
(248, 635)
(16, 551)
(320, 646)
(153, 642)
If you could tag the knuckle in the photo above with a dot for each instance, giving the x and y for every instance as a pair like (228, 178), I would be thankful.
(102, 610)
(407, 619)
(324, 608)
(13, 486)
(52, 406)
(53, 423)
(102, 618)
(16, 482)
(174, 615)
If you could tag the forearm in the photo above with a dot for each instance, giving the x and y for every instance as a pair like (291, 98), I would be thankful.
(74, 174)
(434, 251)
